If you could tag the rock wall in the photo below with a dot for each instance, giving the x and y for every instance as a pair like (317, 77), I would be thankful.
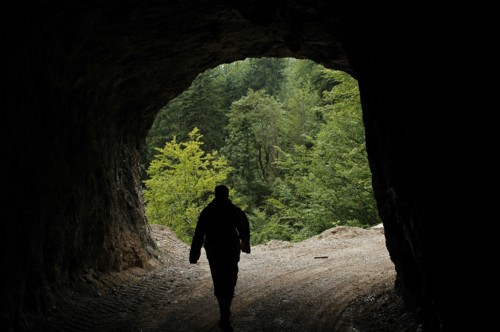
(429, 159)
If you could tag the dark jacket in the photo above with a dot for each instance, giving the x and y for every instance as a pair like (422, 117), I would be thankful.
(220, 228)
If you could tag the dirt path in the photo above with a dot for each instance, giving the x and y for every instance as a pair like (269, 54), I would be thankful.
(340, 280)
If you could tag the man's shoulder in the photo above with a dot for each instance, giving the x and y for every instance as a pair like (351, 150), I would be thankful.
(218, 207)
(207, 209)
(214, 207)
(234, 206)
(240, 212)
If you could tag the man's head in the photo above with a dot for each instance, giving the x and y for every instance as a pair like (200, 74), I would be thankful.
(222, 191)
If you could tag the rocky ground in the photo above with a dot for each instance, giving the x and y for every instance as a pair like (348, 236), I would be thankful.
(340, 280)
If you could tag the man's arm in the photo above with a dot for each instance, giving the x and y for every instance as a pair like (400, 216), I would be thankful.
(244, 231)
(198, 239)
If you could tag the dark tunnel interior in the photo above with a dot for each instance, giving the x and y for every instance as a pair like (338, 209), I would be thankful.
(83, 82)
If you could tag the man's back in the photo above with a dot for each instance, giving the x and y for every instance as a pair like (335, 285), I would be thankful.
(220, 227)
(221, 222)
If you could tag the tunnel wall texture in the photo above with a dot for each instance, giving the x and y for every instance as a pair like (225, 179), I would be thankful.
(84, 81)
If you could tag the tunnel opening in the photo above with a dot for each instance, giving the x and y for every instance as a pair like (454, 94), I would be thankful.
(290, 135)
(90, 302)
(202, 119)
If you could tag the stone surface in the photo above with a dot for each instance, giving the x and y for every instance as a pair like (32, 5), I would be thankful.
(84, 82)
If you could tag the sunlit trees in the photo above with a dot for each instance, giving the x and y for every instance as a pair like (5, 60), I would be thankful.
(292, 138)
(253, 135)
(328, 184)
(182, 178)
(339, 160)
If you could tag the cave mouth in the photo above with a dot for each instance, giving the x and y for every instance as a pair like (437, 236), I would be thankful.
(280, 126)
(85, 83)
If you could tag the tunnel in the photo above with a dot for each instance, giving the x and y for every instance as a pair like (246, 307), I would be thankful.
(83, 82)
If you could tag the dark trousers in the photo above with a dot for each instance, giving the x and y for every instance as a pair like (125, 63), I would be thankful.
(224, 276)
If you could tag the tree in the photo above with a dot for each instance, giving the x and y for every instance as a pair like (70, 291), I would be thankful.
(301, 94)
(251, 145)
(292, 132)
(300, 118)
(202, 105)
(327, 181)
(340, 161)
(181, 179)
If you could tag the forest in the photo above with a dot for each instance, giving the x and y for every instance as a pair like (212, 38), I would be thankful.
(287, 137)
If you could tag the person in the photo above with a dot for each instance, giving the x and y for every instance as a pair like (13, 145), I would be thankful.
(223, 229)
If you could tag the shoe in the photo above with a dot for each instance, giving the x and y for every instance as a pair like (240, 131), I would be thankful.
(225, 325)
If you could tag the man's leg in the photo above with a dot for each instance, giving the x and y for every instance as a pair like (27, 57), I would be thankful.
(225, 312)
(224, 275)
(227, 294)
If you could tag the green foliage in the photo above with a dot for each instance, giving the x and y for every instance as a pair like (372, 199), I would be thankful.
(207, 101)
(266, 228)
(251, 144)
(300, 116)
(201, 106)
(261, 74)
(182, 178)
(292, 136)
(330, 183)
(344, 165)
(300, 74)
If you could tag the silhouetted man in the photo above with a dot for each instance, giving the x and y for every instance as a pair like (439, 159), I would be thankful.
(224, 230)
